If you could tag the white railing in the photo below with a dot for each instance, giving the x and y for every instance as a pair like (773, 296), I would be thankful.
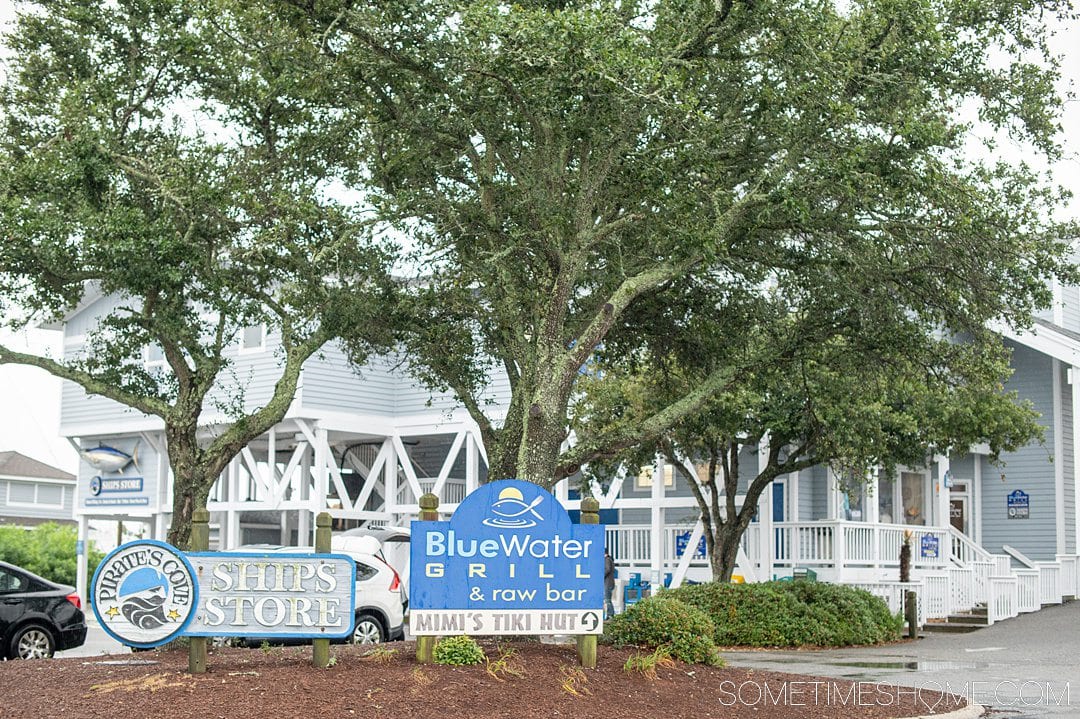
(1049, 582)
(961, 589)
(894, 595)
(1069, 566)
(1004, 598)
(1027, 590)
(453, 490)
(980, 574)
(629, 544)
(854, 544)
(936, 598)
(965, 551)
(801, 544)
(1002, 564)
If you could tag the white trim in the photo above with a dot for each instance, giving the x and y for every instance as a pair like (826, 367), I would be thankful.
(976, 501)
(43, 480)
(1076, 458)
(1046, 340)
(1059, 459)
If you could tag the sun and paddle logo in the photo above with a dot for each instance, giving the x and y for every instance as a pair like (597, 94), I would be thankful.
(144, 593)
(513, 512)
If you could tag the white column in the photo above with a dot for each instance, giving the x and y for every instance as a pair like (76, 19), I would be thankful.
(793, 496)
(871, 514)
(472, 463)
(1075, 439)
(232, 515)
(941, 494)
(390, 480)
(870, 498)
(833, 501)
(303, 515)
(976, 500)
(1059, 457)
(322, 474)
(656, 534)
(765, 515)
(81, 567)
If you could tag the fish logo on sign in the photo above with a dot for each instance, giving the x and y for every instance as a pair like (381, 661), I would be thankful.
(512, 512)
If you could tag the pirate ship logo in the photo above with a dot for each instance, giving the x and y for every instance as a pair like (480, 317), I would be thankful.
(144, 593)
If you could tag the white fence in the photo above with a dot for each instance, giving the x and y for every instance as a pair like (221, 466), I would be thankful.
(1027, 590)
(1049, 582)
(1004, 598)
(895, 593)
(1070, 565)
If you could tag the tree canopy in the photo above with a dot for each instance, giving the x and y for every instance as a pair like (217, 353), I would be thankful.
(568, 170)
(162, 157)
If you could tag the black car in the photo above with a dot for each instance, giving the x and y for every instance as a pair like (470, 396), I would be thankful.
(37, 617)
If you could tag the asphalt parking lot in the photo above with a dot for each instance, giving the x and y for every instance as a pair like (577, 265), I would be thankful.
(1023, 668)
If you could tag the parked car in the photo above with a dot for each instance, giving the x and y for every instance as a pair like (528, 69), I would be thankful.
(37, 617)
(395, 548)
(379, 609)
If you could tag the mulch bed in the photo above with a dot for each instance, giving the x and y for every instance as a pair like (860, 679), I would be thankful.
(544, 681)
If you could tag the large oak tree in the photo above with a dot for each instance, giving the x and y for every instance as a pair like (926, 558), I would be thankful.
(558, 163)
(163, 156)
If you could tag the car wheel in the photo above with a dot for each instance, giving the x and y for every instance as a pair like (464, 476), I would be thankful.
(368, 630)
(32, 642)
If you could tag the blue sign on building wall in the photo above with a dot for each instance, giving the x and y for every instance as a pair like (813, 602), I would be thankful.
(1018, 505)
(929, 547)
(509, 561)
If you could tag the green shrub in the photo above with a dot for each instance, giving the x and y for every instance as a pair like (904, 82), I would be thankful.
(47, 550)
(785, 614)
(458, 651)
(662, 621)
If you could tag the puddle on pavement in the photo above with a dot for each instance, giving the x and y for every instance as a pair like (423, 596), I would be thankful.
(915, 665)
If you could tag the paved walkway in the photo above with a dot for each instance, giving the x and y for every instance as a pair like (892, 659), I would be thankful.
(97, 642)
(1025, 667)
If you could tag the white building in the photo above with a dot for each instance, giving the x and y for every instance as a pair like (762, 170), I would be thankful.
(365, 445)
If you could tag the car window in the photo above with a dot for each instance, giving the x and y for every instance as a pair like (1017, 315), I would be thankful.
(12, 582)
(364, 572)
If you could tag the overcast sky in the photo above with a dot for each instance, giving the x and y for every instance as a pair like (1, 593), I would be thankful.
(30, 398)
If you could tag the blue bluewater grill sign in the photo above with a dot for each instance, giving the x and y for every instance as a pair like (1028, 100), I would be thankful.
(509, 561)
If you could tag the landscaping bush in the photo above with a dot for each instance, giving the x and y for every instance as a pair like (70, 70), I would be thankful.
(788, 614)
(47, 550)
(663, 621)
(459, 651)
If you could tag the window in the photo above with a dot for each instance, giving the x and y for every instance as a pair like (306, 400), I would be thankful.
(364, 572)
(885, 499)
(49, 495)
(645, 474)
(12, 582)
(153, 356)
(253, 338)
(911, 493)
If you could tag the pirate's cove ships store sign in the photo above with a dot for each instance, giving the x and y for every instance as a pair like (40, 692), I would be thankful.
(509, 561)
(147, 593)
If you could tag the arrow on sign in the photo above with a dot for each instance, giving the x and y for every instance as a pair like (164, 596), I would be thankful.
(589, 620)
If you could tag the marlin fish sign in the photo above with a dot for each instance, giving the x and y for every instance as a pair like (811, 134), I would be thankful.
(110, 459)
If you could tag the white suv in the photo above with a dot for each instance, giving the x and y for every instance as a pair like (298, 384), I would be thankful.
(380, 600)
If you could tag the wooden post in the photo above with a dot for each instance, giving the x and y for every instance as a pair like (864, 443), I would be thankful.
(911, 611)
(200, 542)
(586, 643)
(429, 512)
(320, 648)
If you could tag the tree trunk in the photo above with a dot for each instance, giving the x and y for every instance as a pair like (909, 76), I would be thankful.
(191, 485)
(727, 538)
